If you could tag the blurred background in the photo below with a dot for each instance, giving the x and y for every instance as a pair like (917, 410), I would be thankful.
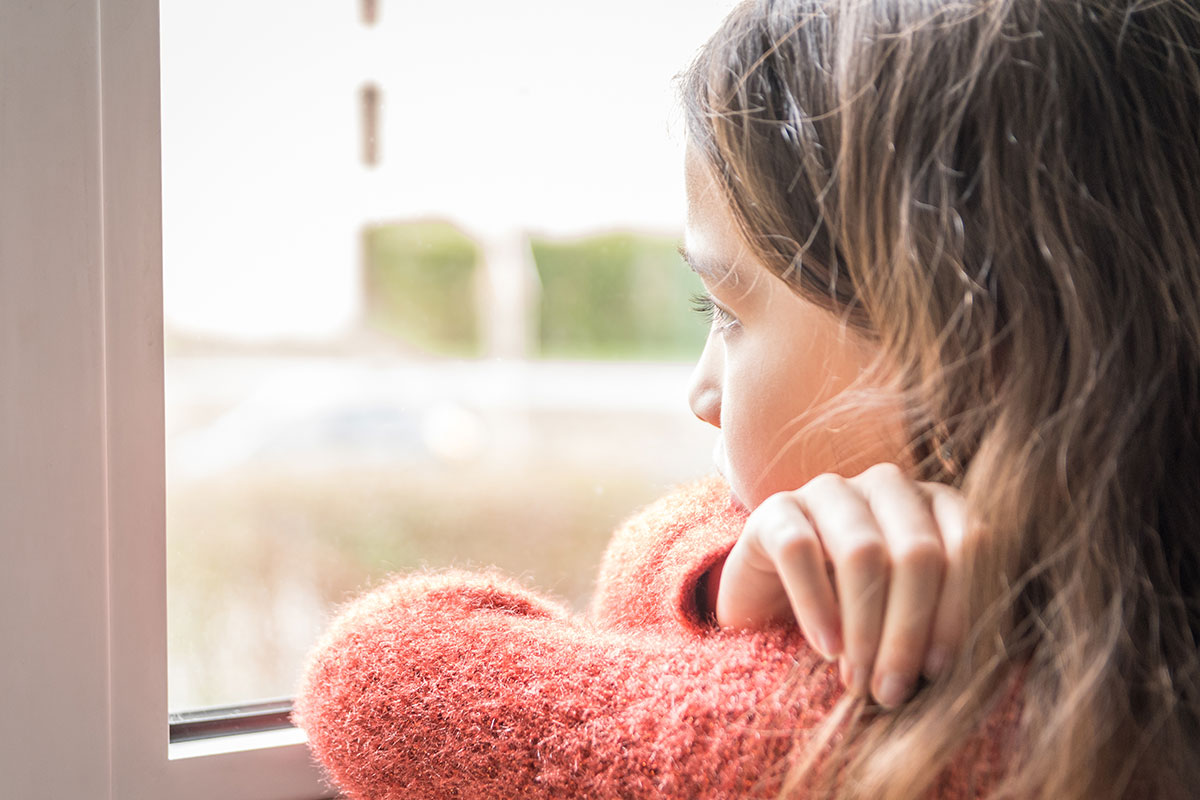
(423, 306)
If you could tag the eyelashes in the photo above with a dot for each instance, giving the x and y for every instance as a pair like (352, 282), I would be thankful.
(703, 305)
(718, 318)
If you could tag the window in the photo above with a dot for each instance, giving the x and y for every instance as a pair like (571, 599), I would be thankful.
(472, 351)
(81, 511)
(82, 549)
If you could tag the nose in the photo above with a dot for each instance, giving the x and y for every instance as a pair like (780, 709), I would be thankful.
(704, 393)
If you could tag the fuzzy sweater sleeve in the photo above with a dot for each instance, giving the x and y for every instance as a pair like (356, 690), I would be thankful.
(469, 685)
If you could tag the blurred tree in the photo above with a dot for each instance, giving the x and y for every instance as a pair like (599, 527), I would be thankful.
(616, 296)
(420, 280)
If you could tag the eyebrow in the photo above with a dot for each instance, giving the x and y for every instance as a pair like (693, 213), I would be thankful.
(702, 268)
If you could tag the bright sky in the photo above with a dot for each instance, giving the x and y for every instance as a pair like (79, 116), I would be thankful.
(546, 115)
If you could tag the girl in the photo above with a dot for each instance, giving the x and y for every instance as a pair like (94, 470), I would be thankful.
(960, 242)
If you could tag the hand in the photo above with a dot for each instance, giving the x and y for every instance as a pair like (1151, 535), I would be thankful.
(869, 567)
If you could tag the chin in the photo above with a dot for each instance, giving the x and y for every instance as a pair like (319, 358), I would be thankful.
(721, 465)
(735, 496)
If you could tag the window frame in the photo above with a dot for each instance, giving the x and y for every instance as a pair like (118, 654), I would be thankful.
(83, 552)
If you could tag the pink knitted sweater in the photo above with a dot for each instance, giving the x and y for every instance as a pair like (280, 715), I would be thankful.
(469, 685)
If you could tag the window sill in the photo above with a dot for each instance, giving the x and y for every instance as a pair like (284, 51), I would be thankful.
(236, 743)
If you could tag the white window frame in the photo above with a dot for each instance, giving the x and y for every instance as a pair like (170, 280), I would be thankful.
(82, 549)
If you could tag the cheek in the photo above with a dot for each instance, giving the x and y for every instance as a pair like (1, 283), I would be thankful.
(764, 409)
(778, 434)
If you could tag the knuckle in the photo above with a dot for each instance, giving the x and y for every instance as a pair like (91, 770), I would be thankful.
(899, 659)
(924, 553)
(883, 471)
(865, 554)
(823, 483)
(799, 545)
(775, 514)
(775, 505)
(766, 515)
(945, 497)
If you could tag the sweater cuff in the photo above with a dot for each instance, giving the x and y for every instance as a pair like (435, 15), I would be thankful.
(696, 601)
(659, 560)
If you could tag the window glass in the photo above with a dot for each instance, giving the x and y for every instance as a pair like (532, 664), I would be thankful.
(422, 304)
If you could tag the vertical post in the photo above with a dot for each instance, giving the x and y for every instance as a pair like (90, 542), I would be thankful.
(509, 295)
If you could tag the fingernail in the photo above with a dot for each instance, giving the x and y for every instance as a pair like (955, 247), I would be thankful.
(852, 677)
(936, 661)
(893, 690)
(826, 646)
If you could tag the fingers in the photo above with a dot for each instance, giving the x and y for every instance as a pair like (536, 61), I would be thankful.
(750, 594)
(949, 510)
(869, 567)
(791, 543)
(776, 571)
(858, 550)
(916, 559)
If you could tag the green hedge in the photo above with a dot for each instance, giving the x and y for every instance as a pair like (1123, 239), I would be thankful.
(420, 281)
(617, 296)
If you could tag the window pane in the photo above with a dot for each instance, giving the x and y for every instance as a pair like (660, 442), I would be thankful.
(422, 304)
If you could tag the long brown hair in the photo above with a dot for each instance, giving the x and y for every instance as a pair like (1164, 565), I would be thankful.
(1005, 196)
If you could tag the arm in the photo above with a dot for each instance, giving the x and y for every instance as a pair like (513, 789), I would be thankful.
(464, 682)
(469, 685)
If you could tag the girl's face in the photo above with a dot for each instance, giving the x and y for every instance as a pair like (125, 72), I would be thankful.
(771, 361)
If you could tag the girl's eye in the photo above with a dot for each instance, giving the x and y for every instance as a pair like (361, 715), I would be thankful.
(720, 319)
